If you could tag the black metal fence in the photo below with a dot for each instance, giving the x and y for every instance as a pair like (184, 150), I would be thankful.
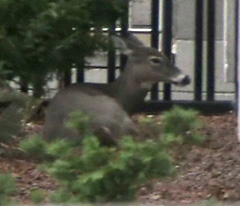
(157, 103)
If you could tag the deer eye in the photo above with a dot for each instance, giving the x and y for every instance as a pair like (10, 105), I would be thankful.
(156, 60)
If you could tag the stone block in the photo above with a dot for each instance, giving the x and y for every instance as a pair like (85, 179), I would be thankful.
(184, 19)
(185, 60)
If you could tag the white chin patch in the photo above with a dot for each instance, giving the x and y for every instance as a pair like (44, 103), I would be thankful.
(179, 78)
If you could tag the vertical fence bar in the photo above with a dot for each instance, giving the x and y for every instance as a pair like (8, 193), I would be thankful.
(124, 30)
(238, 63)
(111, 60)
(155, 38)
(210, 49)
(23, 85)
(67, 78)
(237, 48)
(198, 50)
(167, 40)
(38, 84)
(80, 71)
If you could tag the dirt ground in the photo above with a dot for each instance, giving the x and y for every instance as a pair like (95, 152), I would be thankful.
(211, 171)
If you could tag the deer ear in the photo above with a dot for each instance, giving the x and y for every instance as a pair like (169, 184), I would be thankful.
(132, 40)
(120, 44)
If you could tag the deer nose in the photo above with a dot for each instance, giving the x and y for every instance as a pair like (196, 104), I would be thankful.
(182, 80)
(186, 80)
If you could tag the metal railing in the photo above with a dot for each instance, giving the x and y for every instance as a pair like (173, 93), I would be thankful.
(157, 103)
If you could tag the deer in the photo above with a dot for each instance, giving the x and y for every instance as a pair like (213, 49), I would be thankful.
(110, 105)
(108, 121)
(145, 67)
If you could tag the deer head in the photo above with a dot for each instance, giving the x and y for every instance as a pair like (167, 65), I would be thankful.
(148, 65)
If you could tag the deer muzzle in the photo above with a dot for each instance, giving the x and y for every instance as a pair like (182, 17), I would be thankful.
(182, 80)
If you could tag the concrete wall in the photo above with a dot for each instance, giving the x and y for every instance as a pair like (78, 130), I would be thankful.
(184, 19)
(140, 13)
(183, 32)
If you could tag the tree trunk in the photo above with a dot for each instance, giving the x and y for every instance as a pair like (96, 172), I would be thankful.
(38, 84)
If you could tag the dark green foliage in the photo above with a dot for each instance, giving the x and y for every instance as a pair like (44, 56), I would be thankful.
(61, 196)
(79, 121)
(34, 146)
(37, 196)
(38, 148)
(90, 172)
(7, 187)
(39, 37)
(59, 148)
(95, 173)
(184, 124)
(169, 139)
(7, 184)
(10, 122)
(19, 109)
(109, 174)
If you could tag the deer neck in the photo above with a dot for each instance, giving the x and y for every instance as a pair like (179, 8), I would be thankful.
(128, 90)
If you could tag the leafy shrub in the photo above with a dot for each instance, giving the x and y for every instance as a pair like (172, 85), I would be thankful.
(7, 187)
(34, 146)
(59, 148)
(15, 115)
(37, 196)
(94, 173)
(10, 122)
(169, 139)
(107, 174)
(79, 121)
(183, 124)
(61, 196)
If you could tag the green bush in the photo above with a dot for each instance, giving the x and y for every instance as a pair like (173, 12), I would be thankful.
(183, 124)
(7, 187)
(10, 122)
(94, 173)
(109, 174)
(59, 148)
(37, 196)
(61, 196)
(34, 146)
(79, 121)
(169, 139)
(90, 172)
